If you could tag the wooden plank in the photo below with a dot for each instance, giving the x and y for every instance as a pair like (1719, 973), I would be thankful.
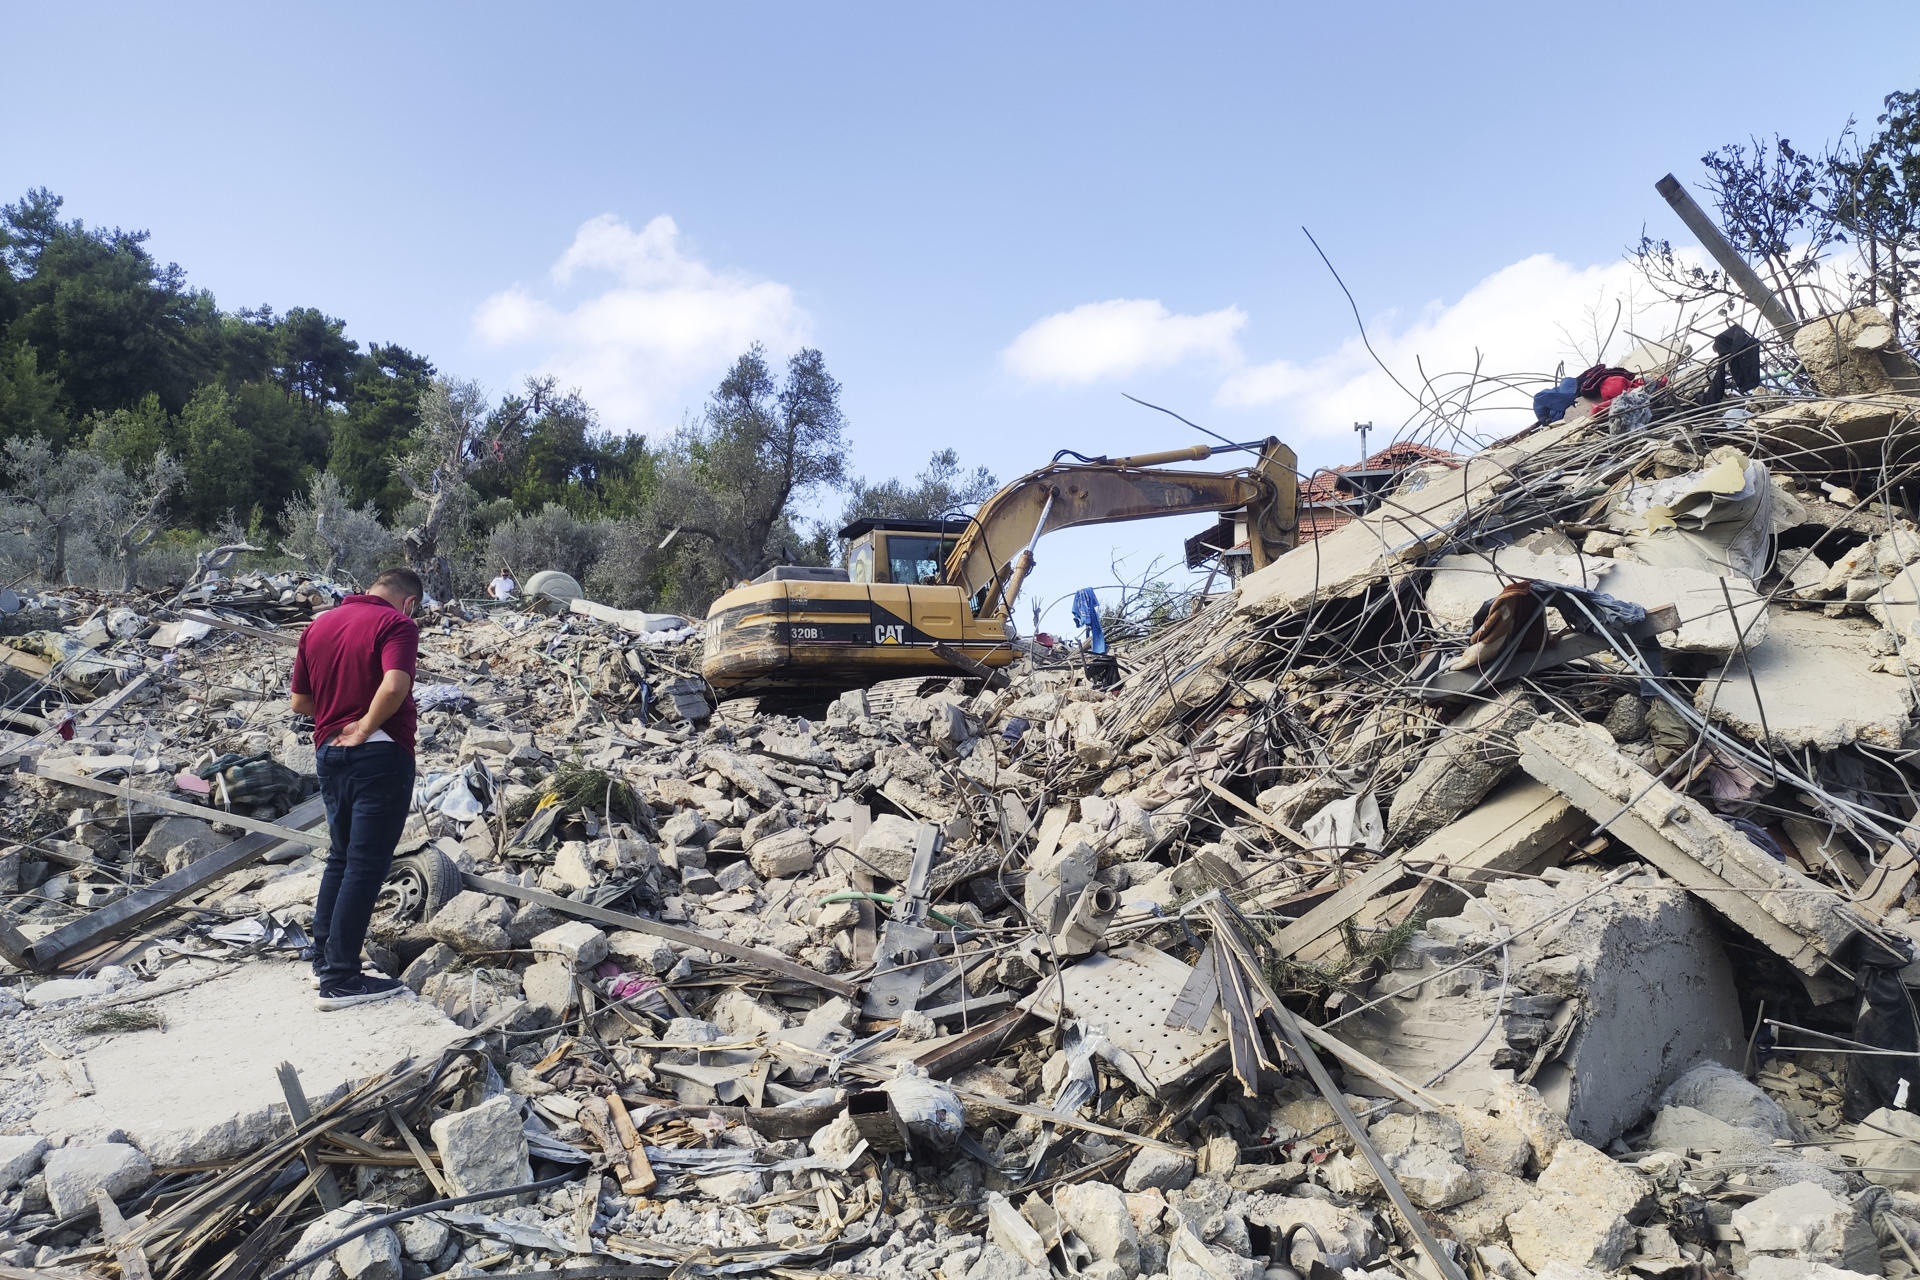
(640, 1175)
(32, 664)
(1338, 909)
(287, 833)
(143, 904)
(100, 710)
(767, 960)
(1266, 820)
(328, 1187)
(420, 1156)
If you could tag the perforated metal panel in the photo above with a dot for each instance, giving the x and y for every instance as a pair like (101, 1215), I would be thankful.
(1129, 993)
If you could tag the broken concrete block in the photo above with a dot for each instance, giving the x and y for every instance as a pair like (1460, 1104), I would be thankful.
(1886, 1147)
(1559, 1270)
(1683, 1130)
(73, 1172)
(995, 1263)
(478, 741)
(1492, 1145)
(1855, 353)
(1564, 1228)
(473, 996)
(1818, 687)
(686, 829)
(374, 1256)
(19, 1156)
(483, 1148)
(472, 922)
(1398, 1133)
(423, 1239)
(1651, 993)
(745, 776)
(762, 825)
(1522, 1106)
(1483, 1219)
(733, 1188)
(1349, 1233)
(576, 942)
(1191, 1258)
(1159, 1169)
(175, 840)
(572, 869)
(1728, 1096)
(548, 986)
(434, 959)
(887, 847)
(57, 990)
(1472, 755)
(1578, 1169)
(1808, 1222)
(1097, 1213)
(783, 854)
(1432, 1176)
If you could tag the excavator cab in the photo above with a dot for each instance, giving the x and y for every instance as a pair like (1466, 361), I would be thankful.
(911, 552)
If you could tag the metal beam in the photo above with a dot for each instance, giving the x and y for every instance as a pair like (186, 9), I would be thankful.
(1731, 262)
(67, 777)
(767, 960)
(117, 918)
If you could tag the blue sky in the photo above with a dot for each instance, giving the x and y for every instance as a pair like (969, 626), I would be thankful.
(992, 219)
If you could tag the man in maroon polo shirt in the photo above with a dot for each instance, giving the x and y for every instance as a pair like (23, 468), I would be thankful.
(354, 675)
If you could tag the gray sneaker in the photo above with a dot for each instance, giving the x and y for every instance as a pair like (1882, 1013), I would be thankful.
(364, 989)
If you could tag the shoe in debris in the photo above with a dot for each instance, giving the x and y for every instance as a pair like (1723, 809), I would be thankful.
(364, 989)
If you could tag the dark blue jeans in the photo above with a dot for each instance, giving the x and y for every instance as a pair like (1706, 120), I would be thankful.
(368, 790)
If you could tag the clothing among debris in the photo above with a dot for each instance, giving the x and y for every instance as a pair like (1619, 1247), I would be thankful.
(1513, 881)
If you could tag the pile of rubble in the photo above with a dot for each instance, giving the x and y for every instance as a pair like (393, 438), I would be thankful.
(1514, 881)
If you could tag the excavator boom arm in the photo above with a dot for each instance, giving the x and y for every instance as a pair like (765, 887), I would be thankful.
(989, 556)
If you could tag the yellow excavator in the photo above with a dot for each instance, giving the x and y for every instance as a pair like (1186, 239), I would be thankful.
(935, 597)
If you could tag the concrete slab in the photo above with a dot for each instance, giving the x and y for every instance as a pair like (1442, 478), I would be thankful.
(1461, 584)
(202, 1087)
(1522, 827)
(1422, 509)
(1817, 686)
(1800, 921)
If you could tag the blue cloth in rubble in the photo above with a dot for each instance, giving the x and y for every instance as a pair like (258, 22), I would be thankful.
(1086, 613)
(1552, 405)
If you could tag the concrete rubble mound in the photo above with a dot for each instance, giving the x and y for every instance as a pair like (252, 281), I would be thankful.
(1515, 880)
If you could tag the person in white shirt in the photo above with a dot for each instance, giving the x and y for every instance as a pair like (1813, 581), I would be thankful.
(502, 587)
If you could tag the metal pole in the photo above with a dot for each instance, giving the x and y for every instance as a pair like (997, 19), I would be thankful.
(1363, 428)
(1730, 261)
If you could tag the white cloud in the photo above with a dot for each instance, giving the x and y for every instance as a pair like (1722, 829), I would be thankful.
(1121, 336)
(1521, 322)
(656, 334)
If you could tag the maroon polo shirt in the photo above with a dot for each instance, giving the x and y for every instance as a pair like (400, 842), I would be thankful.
(343, 655)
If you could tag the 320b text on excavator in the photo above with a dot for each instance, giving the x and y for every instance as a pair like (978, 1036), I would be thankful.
(935, 597)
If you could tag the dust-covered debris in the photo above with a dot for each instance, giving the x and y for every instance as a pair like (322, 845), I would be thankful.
(1514, 880)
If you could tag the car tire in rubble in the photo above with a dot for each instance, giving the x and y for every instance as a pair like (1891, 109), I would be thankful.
(417, 886)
